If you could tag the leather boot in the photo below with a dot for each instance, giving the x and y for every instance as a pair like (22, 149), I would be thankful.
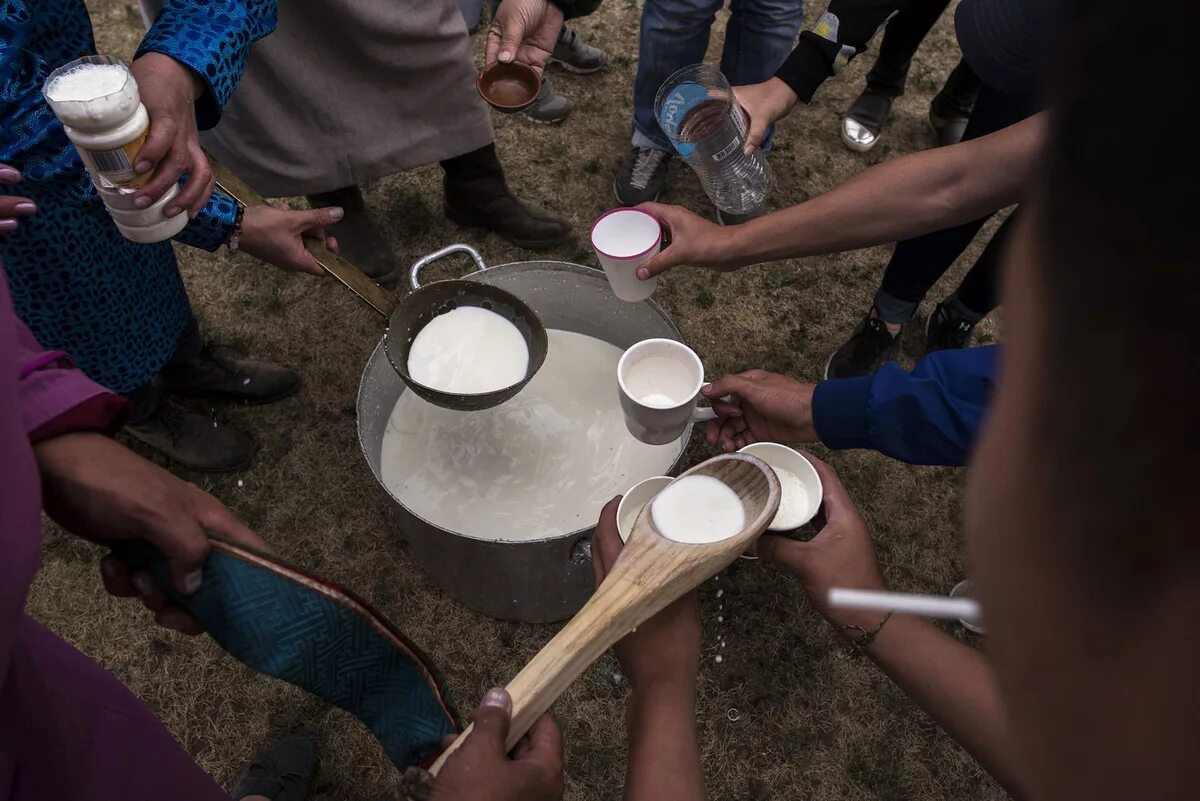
(359, 240)
(216, 374)
(477, 196)
(193, 439)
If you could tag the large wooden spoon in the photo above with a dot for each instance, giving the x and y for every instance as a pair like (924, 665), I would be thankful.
(651, 572)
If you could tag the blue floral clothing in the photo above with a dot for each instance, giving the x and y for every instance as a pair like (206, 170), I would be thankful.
(118, 307)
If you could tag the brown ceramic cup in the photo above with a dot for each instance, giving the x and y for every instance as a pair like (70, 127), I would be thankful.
(509, 87)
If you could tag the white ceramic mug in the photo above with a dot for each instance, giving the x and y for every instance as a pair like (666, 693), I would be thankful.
(659, 382)
(623, 239)
(635, 500)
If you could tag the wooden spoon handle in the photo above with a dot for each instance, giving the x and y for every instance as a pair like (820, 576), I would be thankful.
(616, 608)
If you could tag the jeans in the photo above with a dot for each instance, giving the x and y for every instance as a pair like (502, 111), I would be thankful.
(917, 264)
(674, 34)
(143, 400)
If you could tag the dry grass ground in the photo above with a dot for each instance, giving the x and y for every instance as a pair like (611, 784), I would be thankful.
(786, 714)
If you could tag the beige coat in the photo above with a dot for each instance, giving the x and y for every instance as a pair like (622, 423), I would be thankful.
(349, 90)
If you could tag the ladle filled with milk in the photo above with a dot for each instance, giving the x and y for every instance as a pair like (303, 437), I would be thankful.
(468, 350)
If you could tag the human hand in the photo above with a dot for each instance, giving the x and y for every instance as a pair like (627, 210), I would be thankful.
(172, 148)
(764, 103)
(276, 235)
(103, 492)
(762, 407)
(841, 555)
(694, 241)
(13, 206)
(666, 648)
(481, 770)
(524, 31)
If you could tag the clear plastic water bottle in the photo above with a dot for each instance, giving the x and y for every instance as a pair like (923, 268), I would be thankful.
(696, 110)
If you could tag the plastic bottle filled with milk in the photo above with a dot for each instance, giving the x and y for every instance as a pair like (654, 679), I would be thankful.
(96, 99)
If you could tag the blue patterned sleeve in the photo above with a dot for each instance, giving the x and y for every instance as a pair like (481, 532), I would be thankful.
(209, 229)
(213, 38)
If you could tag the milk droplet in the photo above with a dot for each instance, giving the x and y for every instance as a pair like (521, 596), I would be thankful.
(720, 593)
(241, 483)
(718, 659)
(245, 381)
(720, 619)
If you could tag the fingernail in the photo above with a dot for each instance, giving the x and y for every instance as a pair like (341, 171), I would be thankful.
(141, 202)
(143, 584)
(108, 569)
(506, 55)
(143, 166)
(643, 274)
(498, 698)
(9, 176)
(25, 208)
(336, 214)
(8, 225)
(170, 211)
(192, 581)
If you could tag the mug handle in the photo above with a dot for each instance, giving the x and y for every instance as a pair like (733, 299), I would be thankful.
(702, 414)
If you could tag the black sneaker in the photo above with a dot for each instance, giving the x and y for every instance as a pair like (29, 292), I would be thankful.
(871, 346)
(549, 107)
(642, 176)
(945, 330)
(576, 55)
(865, 120)
(728, 218)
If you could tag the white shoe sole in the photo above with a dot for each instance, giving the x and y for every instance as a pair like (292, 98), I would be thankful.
(578, 70)
(857, 147)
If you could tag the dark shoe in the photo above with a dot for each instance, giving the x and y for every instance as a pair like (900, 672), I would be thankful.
(283, 772)
(948, 120)
(550, 106)
(194, 440)
(641, 176)
(865, 120)
(946, 330)
(868, 349)
(525, 225)
(725, 218)
(576, 55)
(216, 374)
(359, 240)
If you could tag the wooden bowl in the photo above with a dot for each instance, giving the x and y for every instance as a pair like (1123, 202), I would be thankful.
(509, 87)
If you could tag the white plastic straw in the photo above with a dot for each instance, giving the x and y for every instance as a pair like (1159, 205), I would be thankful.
(938, 606)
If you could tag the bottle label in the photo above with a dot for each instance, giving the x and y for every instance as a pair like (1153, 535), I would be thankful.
(691, 114)
(116, 166)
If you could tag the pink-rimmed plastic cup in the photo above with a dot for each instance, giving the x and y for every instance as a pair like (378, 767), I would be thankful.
(623, 240)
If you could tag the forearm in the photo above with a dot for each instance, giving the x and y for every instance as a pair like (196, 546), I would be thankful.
(664, 756)
(955, 686)
(896, 200)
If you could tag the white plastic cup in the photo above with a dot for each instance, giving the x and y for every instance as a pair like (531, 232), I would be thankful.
(623, 240)
(659, 384)
(962, 589)
(635, 500)
(783, 457)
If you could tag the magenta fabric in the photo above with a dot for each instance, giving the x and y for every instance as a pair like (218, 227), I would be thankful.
(68, 729)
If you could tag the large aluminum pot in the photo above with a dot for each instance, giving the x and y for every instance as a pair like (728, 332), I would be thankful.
(535, 581)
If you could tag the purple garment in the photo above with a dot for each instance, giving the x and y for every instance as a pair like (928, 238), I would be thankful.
(68, 729)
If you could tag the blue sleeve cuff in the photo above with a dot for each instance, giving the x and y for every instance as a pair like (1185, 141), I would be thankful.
(209, 229)
(839, 409)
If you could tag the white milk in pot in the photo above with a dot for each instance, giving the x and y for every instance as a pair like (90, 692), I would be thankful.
(539, 465)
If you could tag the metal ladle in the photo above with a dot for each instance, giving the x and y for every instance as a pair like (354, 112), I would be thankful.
(406, 315)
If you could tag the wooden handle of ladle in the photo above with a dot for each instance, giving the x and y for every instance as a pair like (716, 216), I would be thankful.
(612, 612)
(355, 279)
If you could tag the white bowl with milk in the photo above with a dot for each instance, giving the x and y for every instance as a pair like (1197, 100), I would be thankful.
(799, 484)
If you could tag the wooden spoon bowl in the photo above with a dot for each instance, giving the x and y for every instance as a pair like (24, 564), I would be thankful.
(651, 573)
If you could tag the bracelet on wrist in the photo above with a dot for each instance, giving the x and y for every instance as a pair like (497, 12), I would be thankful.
(235, 236)
(864, 637)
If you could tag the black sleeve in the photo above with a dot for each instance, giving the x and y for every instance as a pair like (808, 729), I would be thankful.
(842, 32)
(576, 8)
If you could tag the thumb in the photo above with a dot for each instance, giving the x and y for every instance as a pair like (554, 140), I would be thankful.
(785, 551)
(319, 218)
(491, 721)
(186, 549)
(754, 137)
(658, 264)
(737, 385)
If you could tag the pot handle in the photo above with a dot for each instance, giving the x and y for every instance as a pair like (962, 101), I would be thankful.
(354, 279)
(420, 264)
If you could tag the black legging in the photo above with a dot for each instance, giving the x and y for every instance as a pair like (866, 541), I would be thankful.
(917, 264)
(901, 38)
